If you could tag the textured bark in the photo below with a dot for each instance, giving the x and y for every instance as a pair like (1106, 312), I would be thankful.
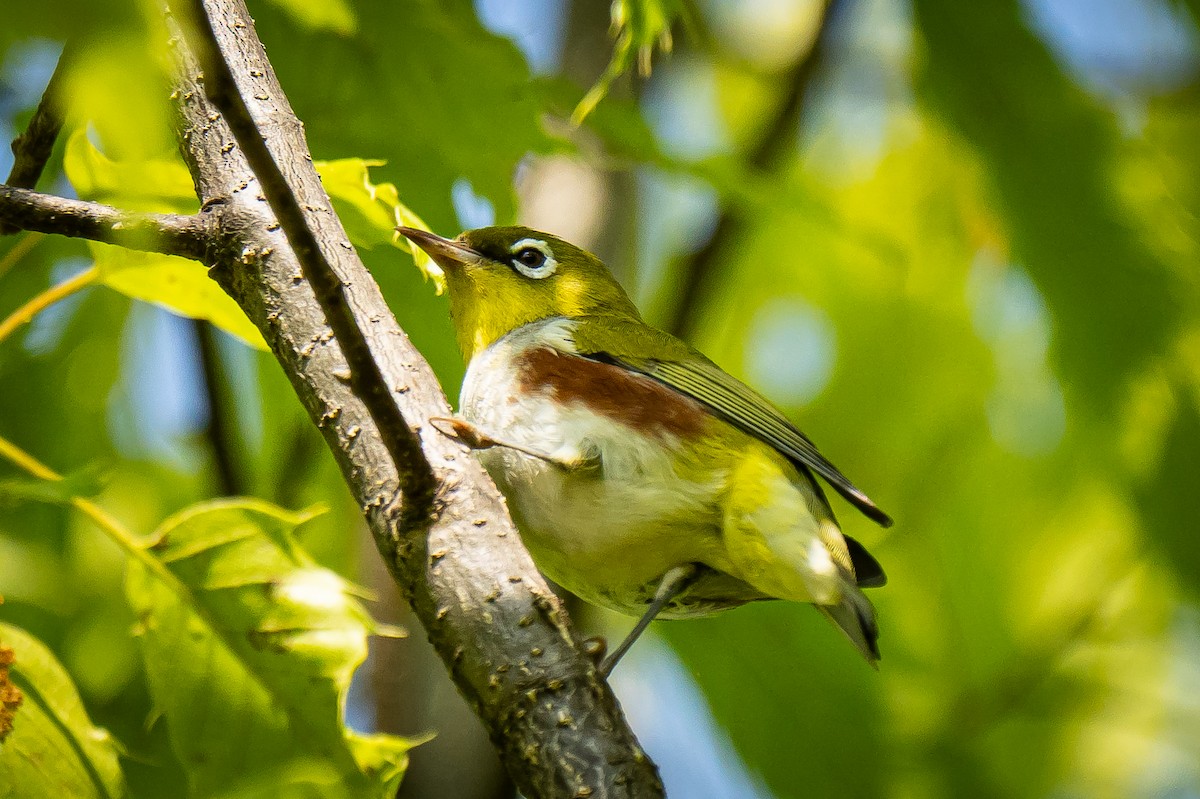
(173, 234)
(456, 555)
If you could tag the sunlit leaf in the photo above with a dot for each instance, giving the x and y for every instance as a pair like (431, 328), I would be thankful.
(175, 283)
(51, 748)
(371, 212)
(153, 185)
(250, 664)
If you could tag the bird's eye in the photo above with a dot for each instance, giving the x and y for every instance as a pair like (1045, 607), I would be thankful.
(531, 257)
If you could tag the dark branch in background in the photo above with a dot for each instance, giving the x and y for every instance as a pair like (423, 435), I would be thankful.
(220, 410)
(768, 154)
(31, 150)
(172, 234)
(501, 632)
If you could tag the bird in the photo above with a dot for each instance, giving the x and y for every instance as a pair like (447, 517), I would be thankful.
(642, 477)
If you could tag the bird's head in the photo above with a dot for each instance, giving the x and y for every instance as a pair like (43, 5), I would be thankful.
(501, 278)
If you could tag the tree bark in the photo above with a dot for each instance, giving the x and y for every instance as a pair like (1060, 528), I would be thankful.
(498, 627)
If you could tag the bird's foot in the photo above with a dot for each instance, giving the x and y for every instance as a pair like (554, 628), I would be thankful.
(470, 435)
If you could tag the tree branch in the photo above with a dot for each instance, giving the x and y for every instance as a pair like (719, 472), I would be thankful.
(766, 155)
(498, 627)
(417, 483)
(220, 413)
(32, 148)
(172, 234)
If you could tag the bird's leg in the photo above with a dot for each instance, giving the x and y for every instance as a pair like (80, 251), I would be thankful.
(474, 438)
(674, 582)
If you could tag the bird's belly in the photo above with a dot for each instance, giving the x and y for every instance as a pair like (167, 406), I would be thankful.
(609, 528)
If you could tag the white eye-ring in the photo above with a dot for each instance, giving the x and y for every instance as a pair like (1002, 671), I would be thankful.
(533, 258)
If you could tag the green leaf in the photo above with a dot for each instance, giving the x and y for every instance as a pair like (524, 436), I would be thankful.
(176, 284)
(370, 211)
(160, 185)
(639, 26)
(250, 657)
(332, 15)
(52, 750)
(423, 86)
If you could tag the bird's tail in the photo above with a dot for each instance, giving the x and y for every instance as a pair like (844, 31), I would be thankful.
(855, 616)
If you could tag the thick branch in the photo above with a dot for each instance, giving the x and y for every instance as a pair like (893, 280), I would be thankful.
(768, 152)
(172, 234)
(417, 482)
(491, 617)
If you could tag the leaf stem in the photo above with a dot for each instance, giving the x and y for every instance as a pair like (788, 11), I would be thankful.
(41, 302)
(19, 250)
(122, 535)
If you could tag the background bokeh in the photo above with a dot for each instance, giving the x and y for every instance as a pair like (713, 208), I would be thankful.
(957, 242)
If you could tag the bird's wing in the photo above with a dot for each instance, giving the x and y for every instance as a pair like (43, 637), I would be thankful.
(693, 375)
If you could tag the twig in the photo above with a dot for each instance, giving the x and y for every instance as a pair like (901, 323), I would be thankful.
(172, 234)
(766, 155)
(41, 302)
(33, 147)
(217, 430)
(499, 629)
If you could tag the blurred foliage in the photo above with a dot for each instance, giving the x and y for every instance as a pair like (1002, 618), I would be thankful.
(973, 281)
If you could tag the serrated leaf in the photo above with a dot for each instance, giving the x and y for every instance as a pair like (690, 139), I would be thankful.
(370, 212)
(251, 663)
(52, 749)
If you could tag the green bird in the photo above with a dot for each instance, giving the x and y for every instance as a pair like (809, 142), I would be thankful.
(642, 476)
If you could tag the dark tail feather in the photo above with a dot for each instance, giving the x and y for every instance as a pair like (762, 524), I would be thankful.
(866, 568)
(855, 616)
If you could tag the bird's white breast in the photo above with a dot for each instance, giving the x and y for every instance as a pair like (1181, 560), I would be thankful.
(602, 531)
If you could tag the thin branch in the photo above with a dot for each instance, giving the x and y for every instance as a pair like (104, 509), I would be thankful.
(171, 234)
(220, 412)
(41, 302)
(501, 632)
(768, 153)
(32, 148)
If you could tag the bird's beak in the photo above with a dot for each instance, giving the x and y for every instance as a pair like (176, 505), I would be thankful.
(444, 252)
